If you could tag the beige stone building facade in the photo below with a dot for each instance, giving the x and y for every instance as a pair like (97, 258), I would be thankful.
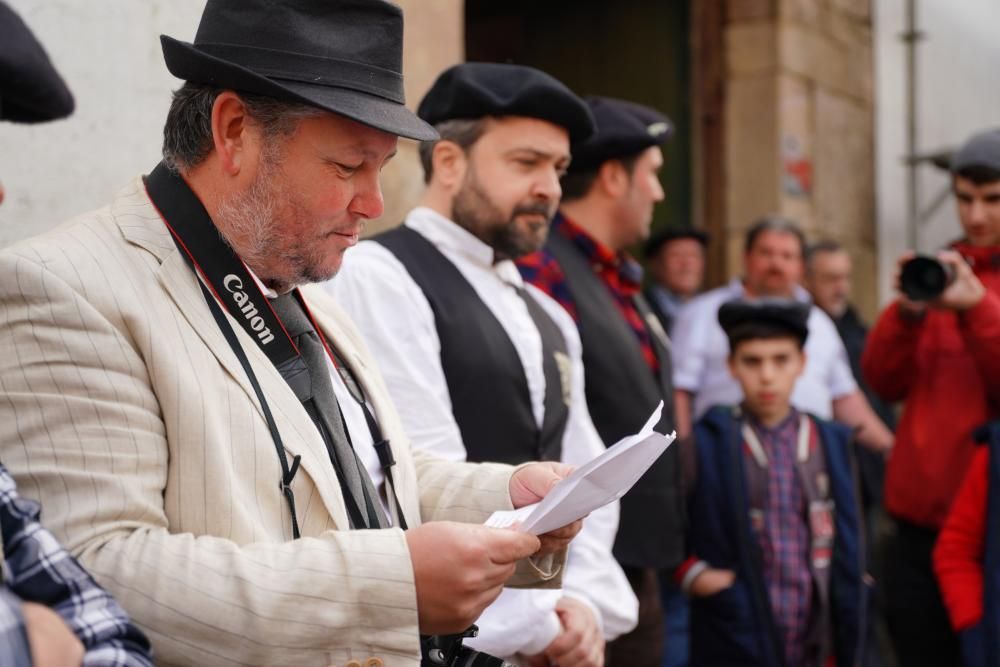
(773, 101)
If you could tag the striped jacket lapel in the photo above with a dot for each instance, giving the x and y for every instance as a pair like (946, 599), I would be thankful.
(141, 225)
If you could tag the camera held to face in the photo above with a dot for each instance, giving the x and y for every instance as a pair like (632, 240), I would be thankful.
(924, 278)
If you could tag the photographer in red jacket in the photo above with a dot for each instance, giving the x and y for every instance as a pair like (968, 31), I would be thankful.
(942, 357)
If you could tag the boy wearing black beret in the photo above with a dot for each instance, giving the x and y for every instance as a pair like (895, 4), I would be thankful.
(776, 570)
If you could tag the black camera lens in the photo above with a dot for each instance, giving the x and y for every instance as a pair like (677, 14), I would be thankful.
(924, 278)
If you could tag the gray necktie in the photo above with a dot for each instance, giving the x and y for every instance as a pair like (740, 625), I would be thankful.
(315, 389)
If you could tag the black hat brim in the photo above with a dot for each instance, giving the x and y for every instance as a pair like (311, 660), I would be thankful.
(186, 61)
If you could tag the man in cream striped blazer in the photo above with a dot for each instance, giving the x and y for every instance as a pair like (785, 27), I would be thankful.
(124, 409)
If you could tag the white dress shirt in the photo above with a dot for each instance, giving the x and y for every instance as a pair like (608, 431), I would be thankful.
(398, 324)
(701, 350)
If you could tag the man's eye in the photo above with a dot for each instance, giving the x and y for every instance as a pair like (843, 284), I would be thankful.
(347, 168)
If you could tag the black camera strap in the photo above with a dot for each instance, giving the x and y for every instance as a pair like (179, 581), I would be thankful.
(226, 280)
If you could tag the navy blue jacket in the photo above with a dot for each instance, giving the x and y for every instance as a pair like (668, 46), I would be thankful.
(735, 627)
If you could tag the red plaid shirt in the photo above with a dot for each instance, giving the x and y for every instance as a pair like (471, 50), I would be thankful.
(618, 271)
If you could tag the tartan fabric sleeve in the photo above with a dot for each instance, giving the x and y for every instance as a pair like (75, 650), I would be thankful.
(14, 648)
(38, 569)
(543, 271)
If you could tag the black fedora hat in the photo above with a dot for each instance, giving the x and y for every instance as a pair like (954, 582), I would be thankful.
(343, 56)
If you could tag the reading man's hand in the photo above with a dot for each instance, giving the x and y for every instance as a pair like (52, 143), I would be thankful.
(459, 569)
(532, 483)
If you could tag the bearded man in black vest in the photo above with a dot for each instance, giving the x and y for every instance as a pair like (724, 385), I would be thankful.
(607, 206)
(483, 366)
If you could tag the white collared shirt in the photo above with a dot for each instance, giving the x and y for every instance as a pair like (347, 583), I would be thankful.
(701, 349)
(398, 324)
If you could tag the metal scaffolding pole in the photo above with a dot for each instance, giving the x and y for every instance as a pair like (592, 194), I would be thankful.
(910, 39)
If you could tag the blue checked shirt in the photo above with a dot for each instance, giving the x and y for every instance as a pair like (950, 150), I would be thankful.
(36, 568)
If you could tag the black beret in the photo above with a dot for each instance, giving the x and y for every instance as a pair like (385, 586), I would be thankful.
(664, 236)
(31, 91)
(623, 129)
(476, 90)
(779, 315)
(980, 150)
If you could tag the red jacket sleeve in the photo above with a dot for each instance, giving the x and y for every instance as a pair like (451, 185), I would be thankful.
(980, 326)
(889, 360)
(958, 555)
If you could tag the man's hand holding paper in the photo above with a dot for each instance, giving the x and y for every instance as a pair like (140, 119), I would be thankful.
(602, 480)
(529, 485)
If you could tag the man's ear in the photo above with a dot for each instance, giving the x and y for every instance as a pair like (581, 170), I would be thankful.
(613, 178)
(450, 165)
(231, 138)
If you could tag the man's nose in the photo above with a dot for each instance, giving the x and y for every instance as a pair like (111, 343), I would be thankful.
(368, 202)
(547, 186)
(977, 211)
(658, 194)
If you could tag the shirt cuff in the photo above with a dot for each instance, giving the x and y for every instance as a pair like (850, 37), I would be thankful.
(691, 573)
(547, 630)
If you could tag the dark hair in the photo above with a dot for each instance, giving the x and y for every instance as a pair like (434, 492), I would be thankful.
(774, 223)
(187, 133)
(979, 174)
(820, 247)
(576, 184)
(761, 331)
(464, 132)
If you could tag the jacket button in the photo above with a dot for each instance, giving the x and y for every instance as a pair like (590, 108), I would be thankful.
(374, 662)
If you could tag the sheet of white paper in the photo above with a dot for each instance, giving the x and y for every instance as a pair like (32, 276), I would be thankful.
(600, 481)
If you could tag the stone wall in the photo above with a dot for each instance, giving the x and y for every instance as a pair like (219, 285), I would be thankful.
(799, 124)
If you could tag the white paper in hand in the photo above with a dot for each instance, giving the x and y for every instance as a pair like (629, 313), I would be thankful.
(602, 480)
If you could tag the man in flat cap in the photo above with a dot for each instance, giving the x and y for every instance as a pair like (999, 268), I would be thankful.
(52, 612)
(776, 568)
(214, 442)
(942, 359)
(607, 205)
(484, 367)
(675, 260)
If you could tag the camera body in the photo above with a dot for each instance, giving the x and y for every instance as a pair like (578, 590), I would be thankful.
(924, 278)
(448, 651)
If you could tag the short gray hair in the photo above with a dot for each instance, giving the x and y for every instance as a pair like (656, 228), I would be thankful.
(775, 223)
(187, 133)
(820, 247)
(464, 132)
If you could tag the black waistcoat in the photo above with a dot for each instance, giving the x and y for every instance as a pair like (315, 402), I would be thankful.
(621, 394)
(486, 381)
